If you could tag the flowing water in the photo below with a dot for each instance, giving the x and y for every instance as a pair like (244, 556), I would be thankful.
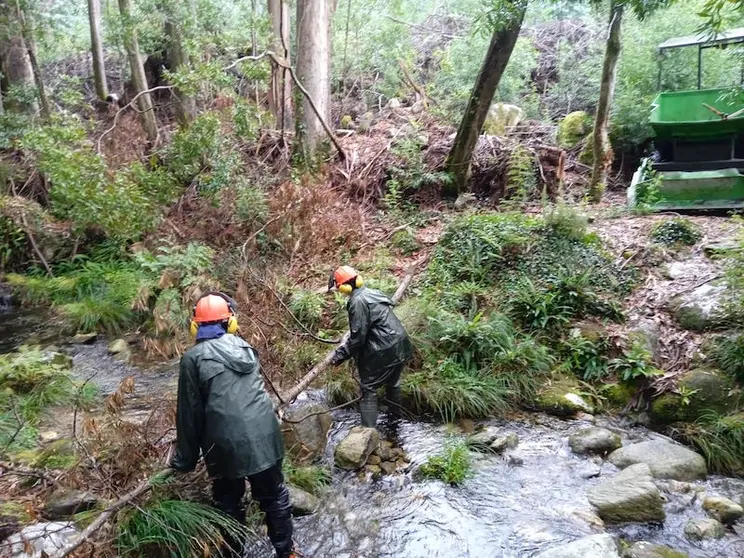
(505, 510)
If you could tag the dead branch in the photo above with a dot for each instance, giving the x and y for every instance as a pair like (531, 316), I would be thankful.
(109, 512)
(36, 246)
(415, 86)
(255, 58)
(291, 394)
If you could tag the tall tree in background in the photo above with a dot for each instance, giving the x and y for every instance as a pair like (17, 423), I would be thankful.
(177, 56)
(313, 70)
(14, 63)
(96, 49)
(506, 22)
(131, 45)
(280, 90)
(29, 41)
(600, 136)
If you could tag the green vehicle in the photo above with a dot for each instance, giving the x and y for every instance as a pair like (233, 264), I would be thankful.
(698, 159)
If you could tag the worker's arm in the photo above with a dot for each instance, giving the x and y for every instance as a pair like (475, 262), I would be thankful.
(358, 329)
(189, 419)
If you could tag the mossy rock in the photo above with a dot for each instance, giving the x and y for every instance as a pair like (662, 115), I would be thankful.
(573, 128)
(560, 398)
(708, 390)
(619, 394)
(591, 331)
(59, 454)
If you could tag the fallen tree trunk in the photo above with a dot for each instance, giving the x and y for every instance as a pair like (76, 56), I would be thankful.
(291, 394)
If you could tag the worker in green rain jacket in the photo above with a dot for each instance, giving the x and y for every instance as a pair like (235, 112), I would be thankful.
(377, 341)
(225, 414)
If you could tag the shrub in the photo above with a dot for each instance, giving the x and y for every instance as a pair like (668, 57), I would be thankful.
(178, 527)
(586, 358)
(676, 231)
(521, 174)
(404, 242)
(728, 354)
(452, 465)
(251, 205)
(635, 363)
(720, 439)
(565, 221)
(312, 479)
(307, 307)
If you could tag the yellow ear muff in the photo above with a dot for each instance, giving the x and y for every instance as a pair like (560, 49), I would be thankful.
(345, 289)
(193, 328)
(232, 325)
(359, 283)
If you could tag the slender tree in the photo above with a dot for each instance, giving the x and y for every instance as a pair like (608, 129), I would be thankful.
(601, 147)
(313, 70)
(131, 45)
(29, 42)
(14, 63)
(506, 22)
(178, 58)
(280, 91)
(96, 49)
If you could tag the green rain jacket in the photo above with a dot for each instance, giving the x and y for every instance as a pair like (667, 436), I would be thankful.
(224, 411)
(377, 341)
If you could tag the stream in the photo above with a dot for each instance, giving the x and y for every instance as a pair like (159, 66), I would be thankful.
(504, 510)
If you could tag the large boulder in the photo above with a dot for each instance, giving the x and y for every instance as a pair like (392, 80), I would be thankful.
(39, 539)
(666, 460)
(708, 390)
(700, 529)
(303, 503)
(594, 546)
(630, 497)
(63, 504)
(722, 509)
(305, 431)
(501, 117)
(352, 452)
(648, 550)
(701, 309)
(574, 127)
(594, 440)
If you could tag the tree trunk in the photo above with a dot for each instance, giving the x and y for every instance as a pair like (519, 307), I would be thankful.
(602, 147)
(30, 43)
(280, 91)
(185, 104)
(16, 70)
(313, 71)
(497, 57)
(131, 45)
(96, 49)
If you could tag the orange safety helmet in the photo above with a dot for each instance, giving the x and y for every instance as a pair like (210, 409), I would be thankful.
(344, 274)
(212, 308)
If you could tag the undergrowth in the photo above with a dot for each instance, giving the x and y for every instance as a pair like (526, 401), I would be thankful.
(720, 439)
(312, 478)
(676, 231)
(452, 465)
(727, 352)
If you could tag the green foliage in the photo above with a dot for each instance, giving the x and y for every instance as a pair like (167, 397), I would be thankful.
(179, 527)
(676, 231)
(728, 354)
(720, 439)
(634, 364)
(313, 479)
(521, 176)
(29, 385)
(452, 466)
(586, 358)
(251, 205)
(12, 244)
(84, 190)
(404, 242)
(186, 263)
(565, 221)
(573, 128)
(307, 307)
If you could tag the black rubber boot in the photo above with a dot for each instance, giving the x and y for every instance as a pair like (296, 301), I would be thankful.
(268, 489)
(368, 408)
(228, 498)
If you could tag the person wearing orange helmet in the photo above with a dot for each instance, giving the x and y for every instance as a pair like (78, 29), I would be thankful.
(225, 414)
(377, 341)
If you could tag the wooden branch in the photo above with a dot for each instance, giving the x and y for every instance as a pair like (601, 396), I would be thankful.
(292, 394)
(109, 512)
(416, 87)
(36, 246)
(255, 58)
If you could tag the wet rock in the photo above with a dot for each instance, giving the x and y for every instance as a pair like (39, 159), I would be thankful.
(385, 451)
(374, 460)
(63, 504)
(53, 356)
(352, 452)
(303, 503)
(402, 464)
(700, 529)
(374, 470)
(83, 338)
(590, 471)
(596, 546)
(118, 346)
(306, 436)
(630, 497)
(594, 440)
(482, 440)
(648, 550)
(515, 459)
(708, 389)
(590, 518)
(701, 309)
(388, 467)
(40, 539)
(722, 509)
(510, 441)
(666, 460)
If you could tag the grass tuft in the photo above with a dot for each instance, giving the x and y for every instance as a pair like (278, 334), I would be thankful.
(452, 465)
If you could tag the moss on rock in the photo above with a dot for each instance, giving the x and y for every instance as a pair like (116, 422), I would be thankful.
(619, 394)
(560, 398)
(573, 128)
(704, 390)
